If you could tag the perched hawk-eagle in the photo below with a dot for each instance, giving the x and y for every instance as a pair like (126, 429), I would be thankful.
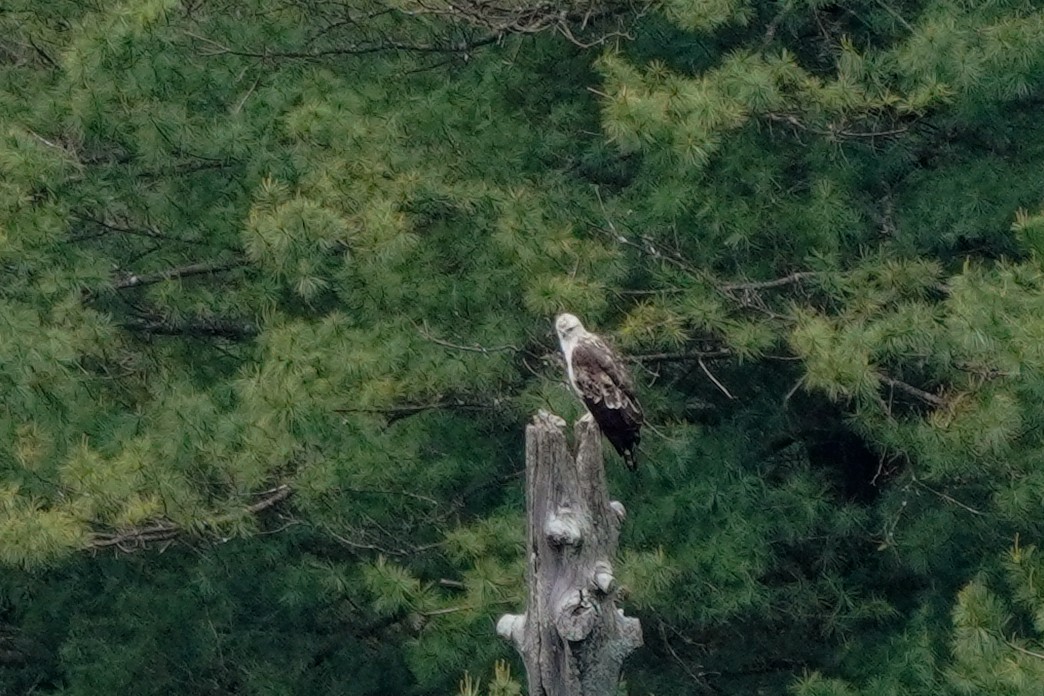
(602, 382)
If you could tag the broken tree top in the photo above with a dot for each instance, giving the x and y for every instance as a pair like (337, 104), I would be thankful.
(572, 637)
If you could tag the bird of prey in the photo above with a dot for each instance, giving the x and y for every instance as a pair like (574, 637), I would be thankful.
(603, 384)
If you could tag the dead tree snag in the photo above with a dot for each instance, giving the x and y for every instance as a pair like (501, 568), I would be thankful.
(572, 637)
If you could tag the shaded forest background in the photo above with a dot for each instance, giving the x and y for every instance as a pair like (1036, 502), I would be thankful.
(276, 282)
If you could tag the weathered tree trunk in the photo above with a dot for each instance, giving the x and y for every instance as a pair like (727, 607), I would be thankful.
(572, 637)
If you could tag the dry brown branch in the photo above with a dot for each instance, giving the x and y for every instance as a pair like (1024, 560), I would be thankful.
(134, 539)
(503, 17)
(579, 21)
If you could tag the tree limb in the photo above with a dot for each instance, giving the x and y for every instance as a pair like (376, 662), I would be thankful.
(475, 348)
(750, 299)
(139, 538)
(912, 390)
(680, 357)
(134, 280)
(349, 50)
(767, 284)
(396, 413)
(270, 498)
(217, 327)
(150, 233)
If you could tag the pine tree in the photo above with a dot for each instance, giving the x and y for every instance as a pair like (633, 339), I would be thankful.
(277, 278)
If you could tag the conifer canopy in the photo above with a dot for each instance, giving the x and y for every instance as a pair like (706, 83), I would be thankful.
(276, 288)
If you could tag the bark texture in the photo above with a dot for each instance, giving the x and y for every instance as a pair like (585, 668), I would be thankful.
(572, 637)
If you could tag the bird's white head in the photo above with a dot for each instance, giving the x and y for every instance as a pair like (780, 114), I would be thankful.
(569, 328)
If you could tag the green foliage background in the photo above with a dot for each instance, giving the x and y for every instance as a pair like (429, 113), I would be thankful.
(276, 283)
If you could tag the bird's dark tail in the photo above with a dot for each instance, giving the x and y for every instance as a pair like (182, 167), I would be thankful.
(630, 457)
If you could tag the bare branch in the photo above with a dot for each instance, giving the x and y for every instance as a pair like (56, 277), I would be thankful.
(452, 584)
(474, 348)
(133, 539)
(768, 284)
(698, 679)
(1024, 651)
(396, 413)
(379, 548)
(140, 537)
(270, 498)
(912, 390)
(680, 357)
(529, 17)
(135, 280)
(714, 379)
(495, 20)
(834, 130)
(948, 498)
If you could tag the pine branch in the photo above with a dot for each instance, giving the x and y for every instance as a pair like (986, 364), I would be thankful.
(397, 413)
(217, 327)
(17, 648)
(767, 284)
(474, 348)
(10, 658)
(270, 498)
(135, 539)
(751, 299)
(388, 492)
(949, 498)
(140, 537)
(697, 678)
(135, 280)
(349, 50)
(150, 233)
(1024, 651)
(895, 15)
(378, 547)
(649, 249)
(680, 357)
(912, 390)
(835, 130)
